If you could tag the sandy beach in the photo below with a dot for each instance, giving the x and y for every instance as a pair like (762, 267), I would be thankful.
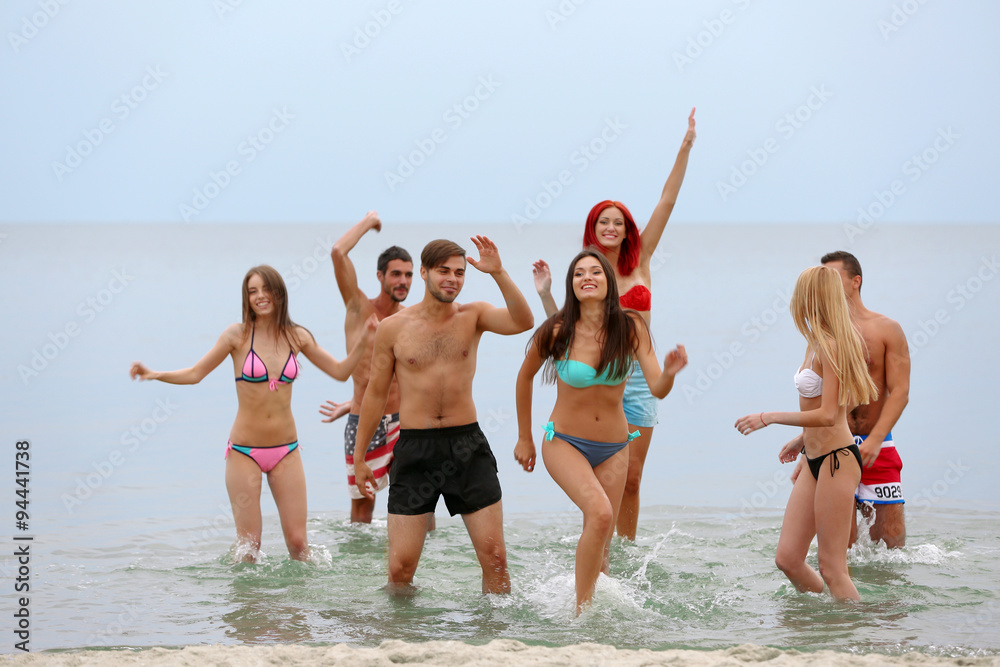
(496, 652)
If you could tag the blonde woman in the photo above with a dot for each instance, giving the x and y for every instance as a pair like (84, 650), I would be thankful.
(263, 439)
(832, 380)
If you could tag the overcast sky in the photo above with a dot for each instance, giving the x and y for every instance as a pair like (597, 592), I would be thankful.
(523, 111)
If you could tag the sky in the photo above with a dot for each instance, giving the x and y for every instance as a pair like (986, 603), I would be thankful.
(217, 111)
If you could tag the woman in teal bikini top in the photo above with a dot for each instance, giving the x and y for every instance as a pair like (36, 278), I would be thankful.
(588, 455)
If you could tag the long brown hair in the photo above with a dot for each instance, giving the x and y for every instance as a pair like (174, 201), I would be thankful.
(279, 297)
(619, 335)
(819, 310)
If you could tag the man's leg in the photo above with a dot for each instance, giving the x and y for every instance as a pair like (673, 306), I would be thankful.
(889, 526)
(406, 542)
(361, 510)
(485, 527)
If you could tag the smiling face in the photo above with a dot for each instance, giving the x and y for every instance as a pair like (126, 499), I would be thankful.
(259, 296)
(590, 283)
(610, 228)
(397, 279)
(444, 281)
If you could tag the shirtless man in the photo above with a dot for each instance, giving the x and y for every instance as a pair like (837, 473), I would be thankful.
(880, 490)
(395, 273)
(431, 347)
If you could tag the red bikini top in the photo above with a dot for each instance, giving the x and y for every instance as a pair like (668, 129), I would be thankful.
(637, 298)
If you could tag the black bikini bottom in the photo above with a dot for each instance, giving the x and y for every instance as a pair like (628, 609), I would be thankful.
(816, 463)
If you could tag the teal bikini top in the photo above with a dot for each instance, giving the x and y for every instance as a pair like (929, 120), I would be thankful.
(579, 375)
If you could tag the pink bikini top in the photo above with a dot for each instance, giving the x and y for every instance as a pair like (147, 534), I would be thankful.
(637, 298)
(254, 369)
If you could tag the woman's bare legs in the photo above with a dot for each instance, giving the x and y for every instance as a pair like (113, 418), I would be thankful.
(797, 531)
(628, 518)
(243, 482)
(591, 490)
(288, 487)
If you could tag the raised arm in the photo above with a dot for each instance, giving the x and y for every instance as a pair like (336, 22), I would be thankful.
(222, 348)
(524, 450)
(516, 317)
(373, 403)
(661, 213)
(323, 360)
(343, 267)
(543, 285)
(897, 388)
(660, 381)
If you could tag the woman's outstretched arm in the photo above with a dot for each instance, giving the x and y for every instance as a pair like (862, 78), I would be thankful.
(323, 360)
(824, 415)
(223, 347)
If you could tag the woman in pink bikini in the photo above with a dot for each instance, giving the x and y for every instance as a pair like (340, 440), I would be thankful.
(263, 436)
(611, 228)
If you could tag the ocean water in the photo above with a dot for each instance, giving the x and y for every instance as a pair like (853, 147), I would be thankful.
(132, 530)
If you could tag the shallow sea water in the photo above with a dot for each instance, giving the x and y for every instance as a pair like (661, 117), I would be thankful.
(695, 578)
(133, 532)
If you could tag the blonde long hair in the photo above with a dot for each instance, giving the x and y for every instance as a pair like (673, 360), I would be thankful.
(820, 312)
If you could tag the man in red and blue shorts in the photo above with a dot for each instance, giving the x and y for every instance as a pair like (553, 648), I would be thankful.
(880, 493)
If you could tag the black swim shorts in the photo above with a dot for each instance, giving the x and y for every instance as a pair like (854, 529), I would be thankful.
(455, 462)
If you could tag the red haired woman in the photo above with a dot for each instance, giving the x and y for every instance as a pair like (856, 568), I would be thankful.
(610, 228)
(263, 440)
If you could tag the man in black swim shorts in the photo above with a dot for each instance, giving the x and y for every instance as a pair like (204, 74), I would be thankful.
(431, 348)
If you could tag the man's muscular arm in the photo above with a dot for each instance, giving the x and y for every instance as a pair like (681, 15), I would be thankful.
(373, 404)
(343, 268)
(897, 386)
(517, 316)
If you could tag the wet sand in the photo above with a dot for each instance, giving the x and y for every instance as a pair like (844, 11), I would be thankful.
(499, 651)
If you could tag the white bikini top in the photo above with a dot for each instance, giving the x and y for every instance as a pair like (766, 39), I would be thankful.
(808, 381)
